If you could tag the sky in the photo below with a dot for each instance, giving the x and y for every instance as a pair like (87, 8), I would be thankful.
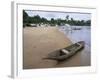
(62, 15)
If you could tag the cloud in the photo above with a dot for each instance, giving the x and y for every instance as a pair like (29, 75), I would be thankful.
(62, 15)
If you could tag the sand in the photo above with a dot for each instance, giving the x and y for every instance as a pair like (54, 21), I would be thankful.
(39, 42)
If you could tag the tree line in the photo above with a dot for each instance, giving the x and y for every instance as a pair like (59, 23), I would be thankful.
(27, 20)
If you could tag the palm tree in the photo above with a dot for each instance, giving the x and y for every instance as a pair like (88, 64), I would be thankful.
(67, 17)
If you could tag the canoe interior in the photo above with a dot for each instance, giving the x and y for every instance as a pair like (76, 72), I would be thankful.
(72, 49)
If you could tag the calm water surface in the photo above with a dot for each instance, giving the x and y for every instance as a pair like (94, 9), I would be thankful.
(84, 34)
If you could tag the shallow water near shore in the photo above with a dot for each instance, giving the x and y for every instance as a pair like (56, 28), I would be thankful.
(82, 34)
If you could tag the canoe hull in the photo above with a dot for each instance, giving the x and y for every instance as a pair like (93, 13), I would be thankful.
(61, 55)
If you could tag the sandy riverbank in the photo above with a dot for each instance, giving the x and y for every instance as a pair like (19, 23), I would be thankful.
(38, 42)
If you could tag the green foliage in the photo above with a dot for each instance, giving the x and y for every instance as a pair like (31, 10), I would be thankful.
(27, 20)
(25, 16)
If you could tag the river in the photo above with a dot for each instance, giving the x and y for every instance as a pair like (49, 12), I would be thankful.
(83, 33)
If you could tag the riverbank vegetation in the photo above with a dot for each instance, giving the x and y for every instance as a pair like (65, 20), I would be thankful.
(27, 20)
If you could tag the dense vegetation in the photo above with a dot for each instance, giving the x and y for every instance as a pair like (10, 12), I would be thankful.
(27, 20)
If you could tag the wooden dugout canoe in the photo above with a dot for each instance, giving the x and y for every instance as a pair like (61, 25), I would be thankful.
(67, 52)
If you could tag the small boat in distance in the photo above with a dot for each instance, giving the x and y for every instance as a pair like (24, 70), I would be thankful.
(67, 52)
(77, 28)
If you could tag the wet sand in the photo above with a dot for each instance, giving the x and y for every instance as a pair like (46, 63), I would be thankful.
(38, 42)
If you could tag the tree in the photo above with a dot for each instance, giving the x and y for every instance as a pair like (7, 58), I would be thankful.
(52, 21)
(25, 18)
(58, 21)
(36, 19)
(67, 17)
(72, 22)
(88, 23)
(44, 20)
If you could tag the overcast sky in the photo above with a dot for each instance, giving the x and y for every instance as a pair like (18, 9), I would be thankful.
(62, 15)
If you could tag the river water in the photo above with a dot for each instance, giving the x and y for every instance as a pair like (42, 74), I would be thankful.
(82, 34)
